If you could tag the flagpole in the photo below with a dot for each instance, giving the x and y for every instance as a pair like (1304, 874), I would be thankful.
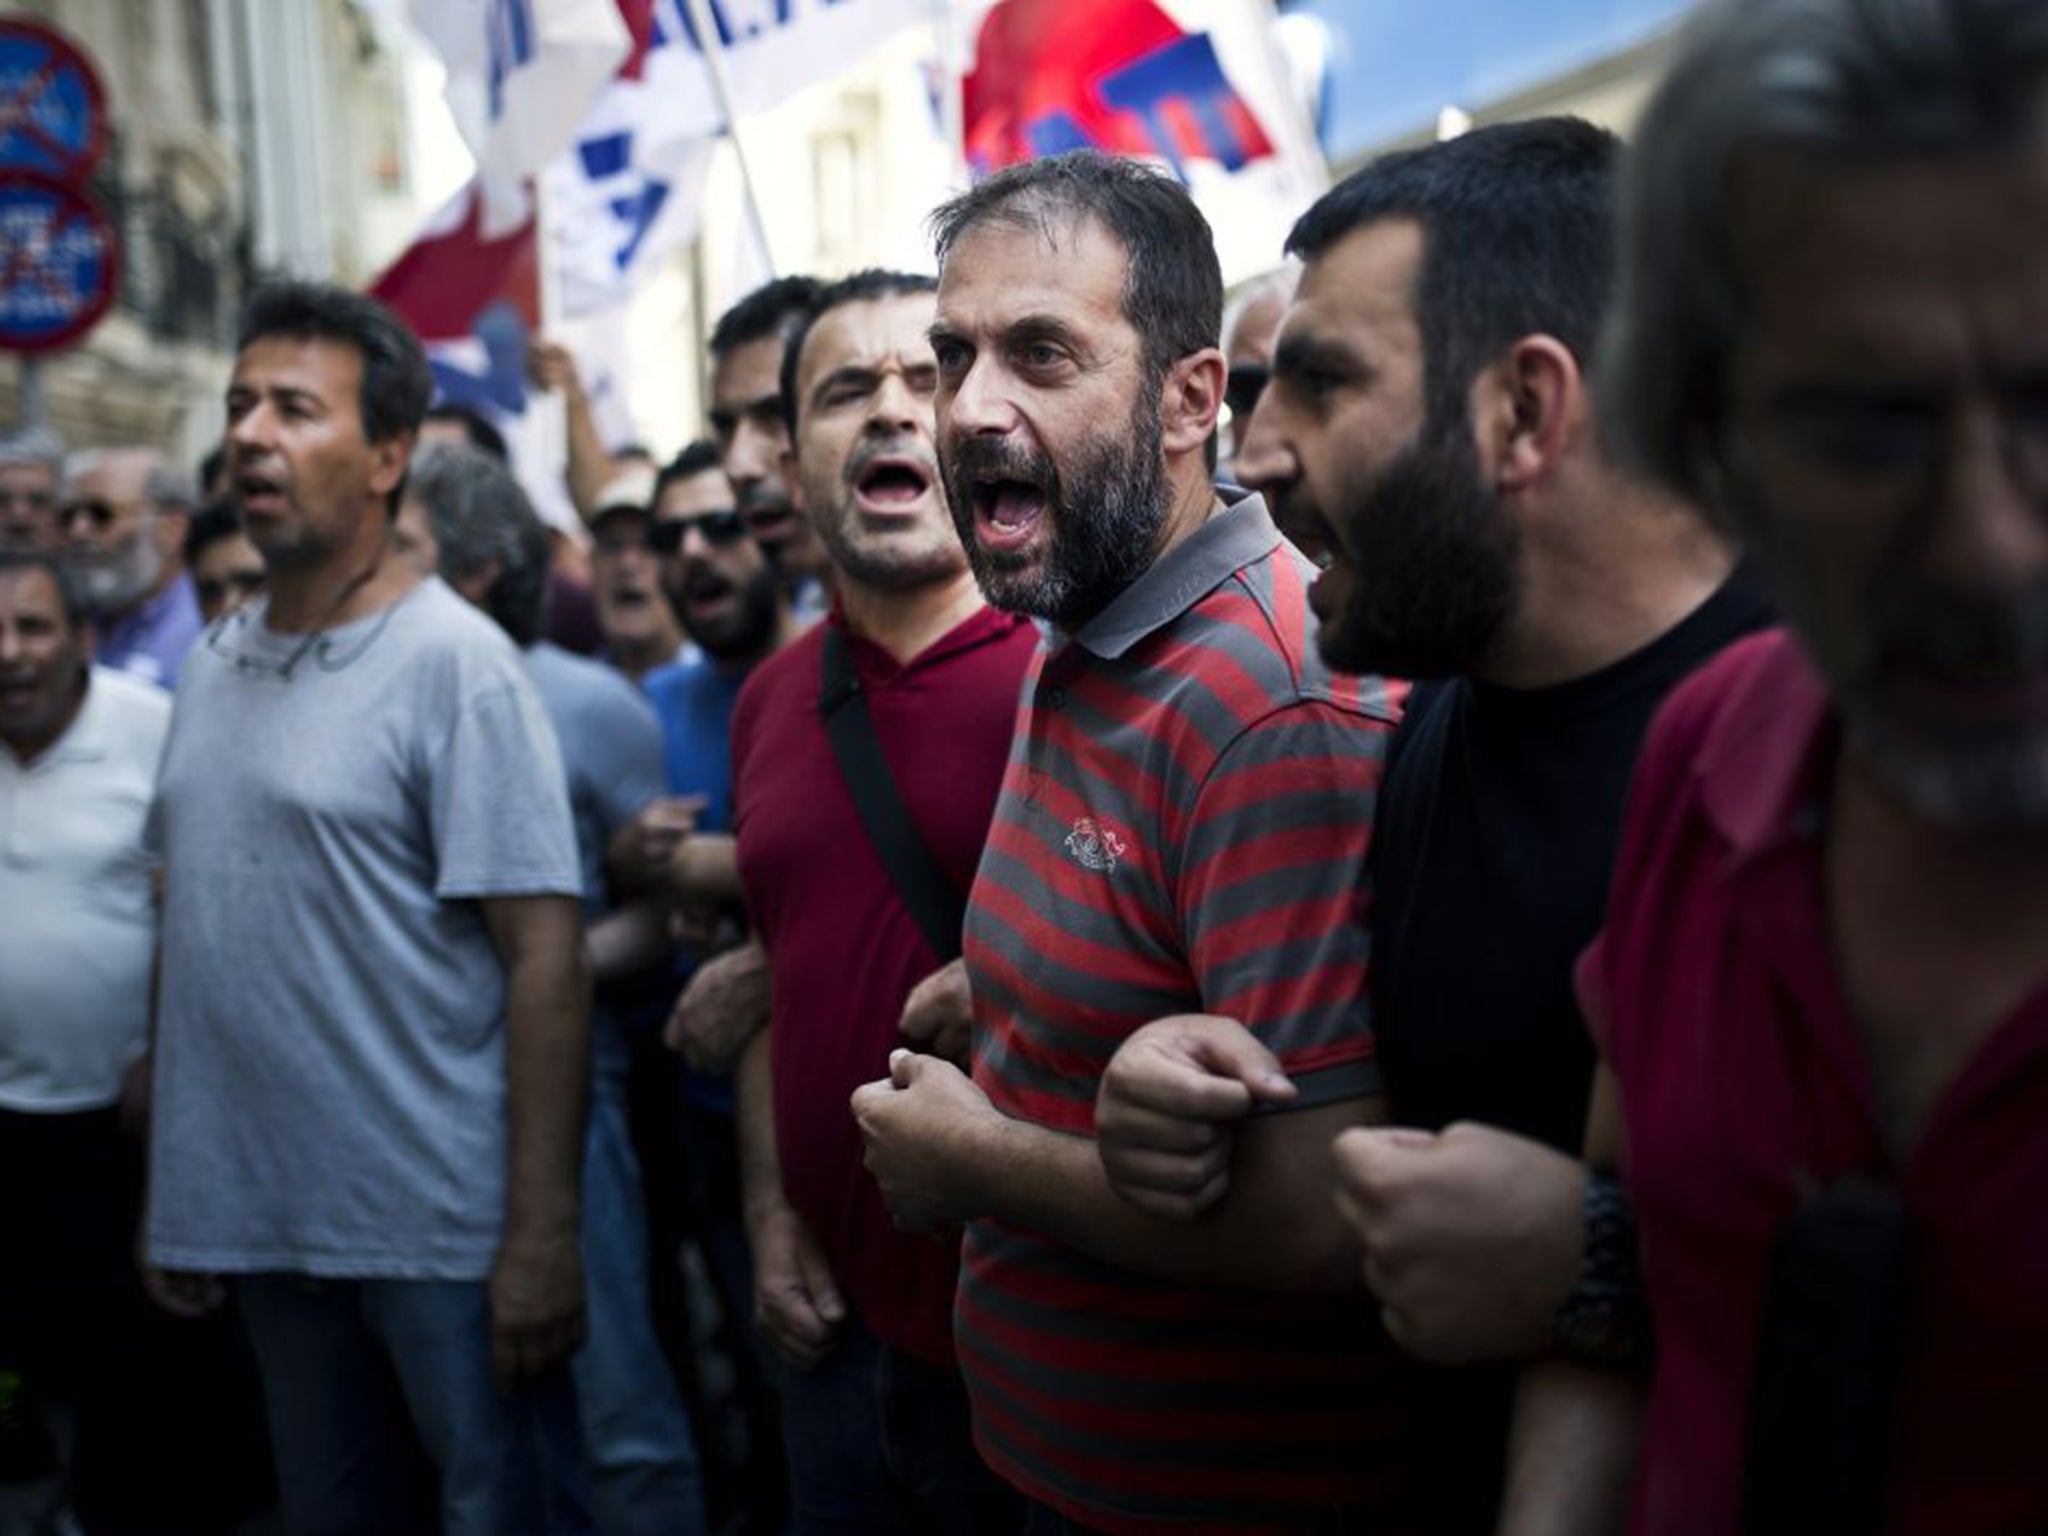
(706, 24)
(953, 86)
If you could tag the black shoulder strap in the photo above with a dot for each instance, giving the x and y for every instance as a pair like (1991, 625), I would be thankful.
(930, 898)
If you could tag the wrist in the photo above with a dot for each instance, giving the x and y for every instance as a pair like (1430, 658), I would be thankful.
(1605, 1321)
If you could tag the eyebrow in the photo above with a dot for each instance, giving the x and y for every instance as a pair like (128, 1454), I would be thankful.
(846, 373)
(1298, 354)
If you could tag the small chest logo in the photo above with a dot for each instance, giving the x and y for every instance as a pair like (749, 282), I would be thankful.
(1094, 846)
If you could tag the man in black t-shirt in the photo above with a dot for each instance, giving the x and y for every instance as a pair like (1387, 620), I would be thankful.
(1428, 434)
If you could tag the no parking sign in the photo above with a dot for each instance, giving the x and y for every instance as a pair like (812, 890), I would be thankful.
(60, 257)
(60, 263)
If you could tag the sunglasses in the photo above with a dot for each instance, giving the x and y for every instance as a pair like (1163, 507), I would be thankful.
(100, 514)
(1242, 387)
(719, 530)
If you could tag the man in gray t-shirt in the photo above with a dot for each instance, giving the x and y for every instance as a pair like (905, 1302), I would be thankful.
(371, 1041)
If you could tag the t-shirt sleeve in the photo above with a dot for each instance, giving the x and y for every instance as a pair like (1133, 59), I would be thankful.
(1272, 892)
(500, 802)
(632, 769)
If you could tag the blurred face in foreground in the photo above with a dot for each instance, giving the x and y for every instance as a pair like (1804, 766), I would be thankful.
(1885, 454)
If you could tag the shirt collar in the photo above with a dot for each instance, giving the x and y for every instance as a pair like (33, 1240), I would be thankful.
(1230, 540)
(167, 607)
(980, 627)
(1760, 767)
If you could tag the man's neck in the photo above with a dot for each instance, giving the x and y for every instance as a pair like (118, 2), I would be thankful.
(905, 624)
(337, 591)
(637, 658)
(142, 604)
(1600, 583)
(1191, 504)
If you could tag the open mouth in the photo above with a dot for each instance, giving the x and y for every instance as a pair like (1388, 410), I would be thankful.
(259, 492)
(892, 484)
(1007, 512)
(629, 597)
(705, 590)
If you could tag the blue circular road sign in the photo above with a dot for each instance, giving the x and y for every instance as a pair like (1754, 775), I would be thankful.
(53, 110)
(60, 263)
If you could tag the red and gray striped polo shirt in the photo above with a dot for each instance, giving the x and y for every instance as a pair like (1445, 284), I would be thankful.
(1182, 828)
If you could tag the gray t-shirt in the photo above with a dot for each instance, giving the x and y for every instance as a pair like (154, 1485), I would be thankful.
(611, 748)
(330, 1074)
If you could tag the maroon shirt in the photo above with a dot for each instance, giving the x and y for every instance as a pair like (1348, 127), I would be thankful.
(1744, 1084)
(843, 951)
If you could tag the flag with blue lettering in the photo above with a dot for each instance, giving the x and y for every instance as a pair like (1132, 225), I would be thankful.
(628, 189)
(521, 75)
(1200, 86)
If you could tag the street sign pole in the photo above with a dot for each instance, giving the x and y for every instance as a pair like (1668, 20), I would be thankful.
(34, 408)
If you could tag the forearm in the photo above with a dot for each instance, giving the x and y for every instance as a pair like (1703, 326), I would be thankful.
(1572, 1451)
(707, 869)
(589, 464)
(626, 941)
(754, 1108)
(547, 1081)
(1277, 1230)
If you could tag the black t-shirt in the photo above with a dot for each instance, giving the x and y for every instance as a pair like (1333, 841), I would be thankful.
(1497, 827)
(1496, 832)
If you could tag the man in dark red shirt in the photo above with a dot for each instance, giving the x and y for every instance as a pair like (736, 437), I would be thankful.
(875, 1419)
(1823, 986)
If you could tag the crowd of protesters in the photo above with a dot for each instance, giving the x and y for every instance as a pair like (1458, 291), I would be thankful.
(1423, 912)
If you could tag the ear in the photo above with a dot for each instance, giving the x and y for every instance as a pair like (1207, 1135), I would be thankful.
(389, 460)
(1190, 400)
(1529, 408)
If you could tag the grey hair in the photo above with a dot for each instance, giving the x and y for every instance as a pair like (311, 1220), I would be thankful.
(1864, 79)
(33, 445)
(1278, 284)
(165, 484)
(480, 517)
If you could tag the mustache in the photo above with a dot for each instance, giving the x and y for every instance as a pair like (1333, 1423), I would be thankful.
(867, 452)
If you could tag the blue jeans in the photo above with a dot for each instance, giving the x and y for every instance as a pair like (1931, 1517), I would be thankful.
(639, 1453)
(385, 1418)
(880, 1444)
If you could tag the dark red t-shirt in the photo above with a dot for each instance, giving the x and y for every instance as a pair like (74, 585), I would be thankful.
(843, 951)
(1744, 1084)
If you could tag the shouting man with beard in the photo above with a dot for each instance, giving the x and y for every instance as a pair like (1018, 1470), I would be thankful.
(1429, 431)
(876, 1422)
(1182, 827)
(123, 515)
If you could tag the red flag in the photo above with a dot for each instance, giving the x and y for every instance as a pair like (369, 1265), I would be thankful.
(449, 276)
(1116, 75)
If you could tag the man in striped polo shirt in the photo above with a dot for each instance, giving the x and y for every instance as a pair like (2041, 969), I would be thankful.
(1182, 829)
